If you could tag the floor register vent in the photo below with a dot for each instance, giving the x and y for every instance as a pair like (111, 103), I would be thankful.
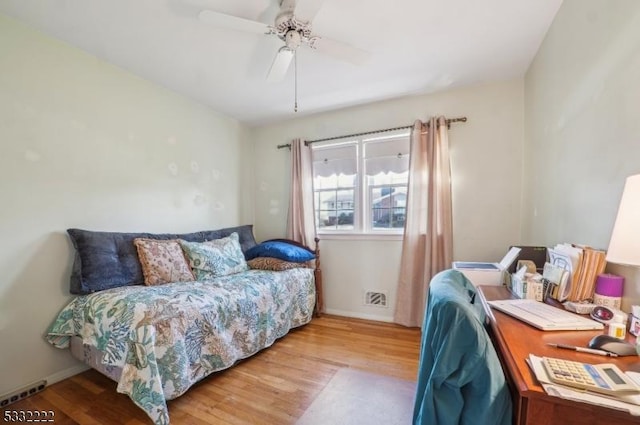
(376, 298)
(25, 392)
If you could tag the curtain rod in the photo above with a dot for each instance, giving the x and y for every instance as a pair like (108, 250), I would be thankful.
(308, 142)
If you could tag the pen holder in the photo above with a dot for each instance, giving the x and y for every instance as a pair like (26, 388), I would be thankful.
(608, 291)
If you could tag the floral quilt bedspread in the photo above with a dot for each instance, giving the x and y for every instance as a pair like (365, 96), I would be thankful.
(165, 338)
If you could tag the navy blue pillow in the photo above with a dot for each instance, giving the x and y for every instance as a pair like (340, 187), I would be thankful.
(281, 250)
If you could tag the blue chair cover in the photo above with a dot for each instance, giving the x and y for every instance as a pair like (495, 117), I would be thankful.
(460, 379)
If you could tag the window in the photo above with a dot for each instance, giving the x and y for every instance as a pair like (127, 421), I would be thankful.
(360, 185)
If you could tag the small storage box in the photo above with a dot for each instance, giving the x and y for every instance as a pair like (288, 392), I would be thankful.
(487, 273)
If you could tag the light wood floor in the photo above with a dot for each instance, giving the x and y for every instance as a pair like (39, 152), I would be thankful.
(274, 387)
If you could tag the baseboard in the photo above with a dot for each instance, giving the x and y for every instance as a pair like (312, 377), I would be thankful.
(67, 373)
(354, 315)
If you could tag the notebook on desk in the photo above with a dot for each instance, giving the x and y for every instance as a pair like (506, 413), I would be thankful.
(544, 316)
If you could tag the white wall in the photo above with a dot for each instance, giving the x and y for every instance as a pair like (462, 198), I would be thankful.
(582, 132)
(486, 166)
(85, 144)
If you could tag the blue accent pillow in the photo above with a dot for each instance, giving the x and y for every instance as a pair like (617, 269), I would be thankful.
(280, 250)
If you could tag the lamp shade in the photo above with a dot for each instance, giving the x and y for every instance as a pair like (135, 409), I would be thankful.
(624, 247)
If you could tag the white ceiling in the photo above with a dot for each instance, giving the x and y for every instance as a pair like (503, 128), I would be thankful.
(416, 46)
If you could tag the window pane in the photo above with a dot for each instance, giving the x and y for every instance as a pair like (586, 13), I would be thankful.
(325, 182)
(326, 207)
(336, 166)
(380, 203)
(380, 218)
(387, 155)
(398, 218)
(335, 209)
(388, 178)
(347, 180)
(334, 181)
(335, 160)
(345, 206)
(385, 218)
(327, 200)
(400, 197)
(388, 207)
(387, 165)
(376, 193)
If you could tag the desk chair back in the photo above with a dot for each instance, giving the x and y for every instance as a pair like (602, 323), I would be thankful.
(460, 379)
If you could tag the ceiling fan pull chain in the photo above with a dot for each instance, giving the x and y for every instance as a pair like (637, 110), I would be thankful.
(295, 80)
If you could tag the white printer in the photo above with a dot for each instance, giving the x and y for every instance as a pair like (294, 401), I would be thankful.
(487, 273)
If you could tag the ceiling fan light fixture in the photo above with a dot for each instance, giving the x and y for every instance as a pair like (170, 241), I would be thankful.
(286, 22)
(292, 39)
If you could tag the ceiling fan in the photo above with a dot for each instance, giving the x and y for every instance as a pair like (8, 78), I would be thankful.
(293, 26)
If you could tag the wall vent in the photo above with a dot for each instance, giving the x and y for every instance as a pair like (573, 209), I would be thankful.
(376, 298)
(22, 393)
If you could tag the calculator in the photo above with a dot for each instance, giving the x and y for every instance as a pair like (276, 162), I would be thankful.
(604, 378)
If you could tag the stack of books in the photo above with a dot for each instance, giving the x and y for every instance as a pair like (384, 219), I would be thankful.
(583, 264)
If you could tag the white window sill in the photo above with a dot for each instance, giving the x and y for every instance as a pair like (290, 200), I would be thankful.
(360, 236)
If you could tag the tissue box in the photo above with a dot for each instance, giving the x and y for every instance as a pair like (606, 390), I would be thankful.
(528, 288)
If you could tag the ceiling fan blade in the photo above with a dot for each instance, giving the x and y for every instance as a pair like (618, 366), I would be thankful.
(233, 22)
(341, 51)
(306, 10)
(280, 65)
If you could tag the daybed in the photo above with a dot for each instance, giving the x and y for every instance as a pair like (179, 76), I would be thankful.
(156, 341)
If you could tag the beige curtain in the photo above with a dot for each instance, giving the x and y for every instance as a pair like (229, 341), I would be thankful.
(301, 225)
(427, 247)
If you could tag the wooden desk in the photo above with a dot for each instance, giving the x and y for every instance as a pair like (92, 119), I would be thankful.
(515, 340)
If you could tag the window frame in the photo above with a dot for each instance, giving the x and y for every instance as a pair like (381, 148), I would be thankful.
(363, 201)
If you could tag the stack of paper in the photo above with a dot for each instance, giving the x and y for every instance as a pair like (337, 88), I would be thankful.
(583, 264)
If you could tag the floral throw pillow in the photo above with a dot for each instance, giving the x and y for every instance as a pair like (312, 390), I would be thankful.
(162, 261)
(274, 264)
(219, 257)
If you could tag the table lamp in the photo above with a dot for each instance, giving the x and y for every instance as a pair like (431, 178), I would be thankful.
(624, 246)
